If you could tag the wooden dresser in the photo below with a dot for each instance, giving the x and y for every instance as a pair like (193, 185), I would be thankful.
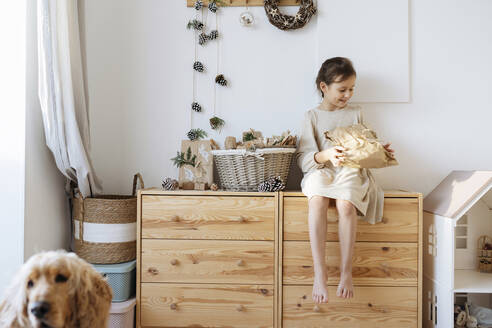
(224, 259)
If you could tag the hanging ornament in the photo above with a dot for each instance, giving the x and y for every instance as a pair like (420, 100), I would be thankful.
(170, 184)
(214, 34)
(246, 17)
(212, 6)
(287, 22)
(198, 4)
(196, 107)
(195, 24)
(196, 134)
(202, 38)
(198, 66)
(220, 79)
(216, 123)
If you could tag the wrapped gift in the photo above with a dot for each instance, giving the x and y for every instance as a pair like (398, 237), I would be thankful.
(202, 172)
(362, 148)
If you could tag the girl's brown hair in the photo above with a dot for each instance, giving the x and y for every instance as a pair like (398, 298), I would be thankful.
(336, 69)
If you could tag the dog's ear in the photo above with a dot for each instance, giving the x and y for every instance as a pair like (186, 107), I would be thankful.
(92, 293)
(13, 306)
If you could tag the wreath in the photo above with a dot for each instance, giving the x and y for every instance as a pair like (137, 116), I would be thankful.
(286, 22)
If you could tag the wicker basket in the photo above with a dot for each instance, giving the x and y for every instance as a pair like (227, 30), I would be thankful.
(242, 170)
(104, 227)
(484, 255)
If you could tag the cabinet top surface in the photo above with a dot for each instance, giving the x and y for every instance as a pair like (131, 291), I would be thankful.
(287, 193)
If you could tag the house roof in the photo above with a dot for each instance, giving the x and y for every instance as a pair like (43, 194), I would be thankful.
(458, 192)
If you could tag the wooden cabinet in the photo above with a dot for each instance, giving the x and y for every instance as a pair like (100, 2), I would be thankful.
(207, 259)
(387, 272)
(237, 259)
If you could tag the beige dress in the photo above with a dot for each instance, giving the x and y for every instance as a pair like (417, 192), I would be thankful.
(355, 185)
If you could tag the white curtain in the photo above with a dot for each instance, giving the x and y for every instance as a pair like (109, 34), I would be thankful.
(62, 94)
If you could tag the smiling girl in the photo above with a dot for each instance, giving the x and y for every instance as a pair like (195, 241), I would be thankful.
(353, 190)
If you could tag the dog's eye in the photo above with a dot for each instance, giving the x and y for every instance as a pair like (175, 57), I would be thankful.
(60, 278)
(30, 283)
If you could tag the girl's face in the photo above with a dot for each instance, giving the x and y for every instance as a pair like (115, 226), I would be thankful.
(337, 94)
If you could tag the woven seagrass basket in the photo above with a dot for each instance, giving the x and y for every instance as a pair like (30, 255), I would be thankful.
(243, 170)
(104, 227)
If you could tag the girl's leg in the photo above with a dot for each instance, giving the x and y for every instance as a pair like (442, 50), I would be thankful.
(347, 227)
(318, 207)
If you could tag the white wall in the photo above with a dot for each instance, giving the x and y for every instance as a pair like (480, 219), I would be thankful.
(139, 57)
(47, 217)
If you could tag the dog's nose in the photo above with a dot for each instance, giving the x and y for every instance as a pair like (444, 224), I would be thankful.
(39, 309)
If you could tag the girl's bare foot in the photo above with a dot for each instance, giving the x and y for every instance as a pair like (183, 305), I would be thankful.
(345, 287)
(320, 293)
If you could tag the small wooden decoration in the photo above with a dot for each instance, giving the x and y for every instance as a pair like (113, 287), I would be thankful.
(243, 3)
(201, 186)
(484, 249)
(230, 143)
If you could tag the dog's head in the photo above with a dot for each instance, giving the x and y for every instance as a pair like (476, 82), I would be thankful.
(51, 289)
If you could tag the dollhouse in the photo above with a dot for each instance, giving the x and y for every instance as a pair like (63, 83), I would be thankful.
(457, 213)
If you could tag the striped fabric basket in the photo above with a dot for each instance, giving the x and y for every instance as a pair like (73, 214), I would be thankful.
(104, 227)
(243, 170)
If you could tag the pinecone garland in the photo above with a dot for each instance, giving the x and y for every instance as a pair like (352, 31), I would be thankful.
(195, 24)
(170, 184)
(198, 66)
(196, 107)
(202, 39)
(220, 79)
(271, 185)
(214, 34)
(198, 4)
(212, 6)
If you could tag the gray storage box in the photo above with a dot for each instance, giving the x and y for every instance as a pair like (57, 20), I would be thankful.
(121, 277)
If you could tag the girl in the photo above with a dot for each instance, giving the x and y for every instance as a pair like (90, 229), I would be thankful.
(354, 190)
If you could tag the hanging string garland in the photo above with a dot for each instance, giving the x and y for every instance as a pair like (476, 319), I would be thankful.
(216, 123)
(287, 22)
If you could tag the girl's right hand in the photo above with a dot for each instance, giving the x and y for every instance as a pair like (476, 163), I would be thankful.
(335, 155)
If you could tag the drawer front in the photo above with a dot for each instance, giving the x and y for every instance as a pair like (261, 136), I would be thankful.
(371, 307)
(375, 264)
(207, 261)
(208, 217)
(181, 305)
(400, 221)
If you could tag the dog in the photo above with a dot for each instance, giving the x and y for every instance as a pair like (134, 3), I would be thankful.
(56, 289)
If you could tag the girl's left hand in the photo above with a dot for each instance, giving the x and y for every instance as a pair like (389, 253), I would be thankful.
(387, 147)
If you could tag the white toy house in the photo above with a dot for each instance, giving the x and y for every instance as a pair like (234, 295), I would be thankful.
(456, 213)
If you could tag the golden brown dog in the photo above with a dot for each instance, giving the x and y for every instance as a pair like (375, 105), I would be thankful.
(56, 289)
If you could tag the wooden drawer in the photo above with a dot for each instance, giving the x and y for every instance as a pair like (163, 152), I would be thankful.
(207, 261)
(208, 217)
(371, 307)
(375, 264)
(400, 221)
(204, 305)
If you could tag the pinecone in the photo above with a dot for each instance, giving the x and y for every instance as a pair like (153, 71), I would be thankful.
(170, 184)
(271, 185)
(214, 187)
(214, 34)
(220, 79)
(212, 6)
(196, 134)
(198, 66)
(195, 24)
(196, 107)
(202, 38)
(198, 4)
